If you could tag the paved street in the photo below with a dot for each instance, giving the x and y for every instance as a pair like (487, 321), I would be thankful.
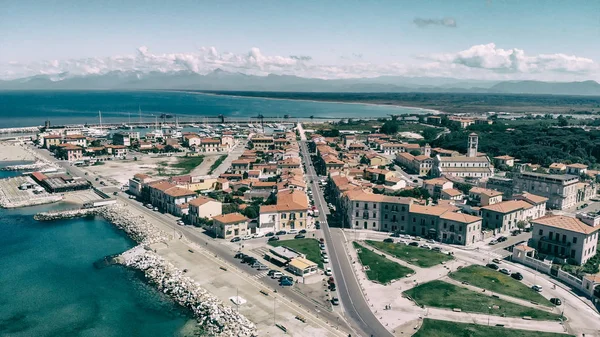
(356, 307)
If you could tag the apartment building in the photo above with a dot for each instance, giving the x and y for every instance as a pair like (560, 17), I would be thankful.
(421, 164)
(435, 186)
(176, 200)
(78, 140)
(240, 166)
(576, 169)
(228, 226)
(191, 140)
(537, 202)
(203, 208)
(566, 237)
(394, 148)
(262, 143)
(69, 152)
(209, 145)
(290, 212)
(500, 184)
(504, 216)
(120, 138)
(562, 190)
(484, 197)
(505, 160)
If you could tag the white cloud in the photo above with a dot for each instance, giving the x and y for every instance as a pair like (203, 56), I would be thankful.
(478, 62)
(490, 57)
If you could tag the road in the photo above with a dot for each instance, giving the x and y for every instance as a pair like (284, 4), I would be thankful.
(350, 294)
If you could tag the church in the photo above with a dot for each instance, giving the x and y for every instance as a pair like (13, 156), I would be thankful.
(470, 166)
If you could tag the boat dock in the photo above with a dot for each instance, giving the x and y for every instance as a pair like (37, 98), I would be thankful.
(23, 191)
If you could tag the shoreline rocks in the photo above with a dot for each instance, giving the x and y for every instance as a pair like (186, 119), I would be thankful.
(74, 213)
(213, 316)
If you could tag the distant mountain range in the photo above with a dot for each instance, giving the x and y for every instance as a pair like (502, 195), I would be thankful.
(223, 80)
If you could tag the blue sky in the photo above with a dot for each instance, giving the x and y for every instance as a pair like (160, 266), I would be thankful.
(357, 38)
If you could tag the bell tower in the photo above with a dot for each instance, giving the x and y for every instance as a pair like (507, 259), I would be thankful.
(473, 143)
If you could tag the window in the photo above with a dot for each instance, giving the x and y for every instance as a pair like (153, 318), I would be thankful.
(386, 206)
(550, 235)
(357, 204)
(414, 219)
(574, 240)
(374, 224)
(374, 214)
(356, 213)
(402, 218)
(541, 232)
(357, 224)
(283, 215)
(374, 206)
(385, 216)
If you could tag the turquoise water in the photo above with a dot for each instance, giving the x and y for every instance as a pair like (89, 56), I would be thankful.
(30, 108)
(50, 287)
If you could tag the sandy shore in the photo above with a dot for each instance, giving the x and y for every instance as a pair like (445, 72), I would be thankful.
(10, 151)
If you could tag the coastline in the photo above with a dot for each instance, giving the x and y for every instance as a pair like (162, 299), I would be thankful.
(425, 110)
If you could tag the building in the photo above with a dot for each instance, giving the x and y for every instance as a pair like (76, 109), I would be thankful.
(505, 160)
(136, 183)
(302, 267)
(78, 140)
(451, 194)
(240, 166)
(484, 197)
(500, 184)
(562, 190)
(566, 237)
(209, 145)
(470, 166)
(262, 143)
(230, 225)
(191, 140)
(116, 150)
(576, 169)
(120, 138)
(52, 140)
(557, 168)
(176, 200)
(504, 216)
(421, 164)
(538, 202)
(69, 152)
(202, 209)
(435, 186)
(290, 212)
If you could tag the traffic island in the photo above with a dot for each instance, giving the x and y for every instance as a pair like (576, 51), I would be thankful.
(420, 257)
(378, 268)
(437, 328)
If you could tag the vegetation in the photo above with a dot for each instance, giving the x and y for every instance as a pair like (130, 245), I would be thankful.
(380, 269)
(440, 294)
(497, 282)
(421, 257)
(417, 193)
(536, 143)
(390, 127)
(436, 328)
(308, 247)
(216, 164)
(187, 164)
(592, 266)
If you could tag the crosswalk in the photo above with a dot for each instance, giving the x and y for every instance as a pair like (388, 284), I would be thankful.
(260, 275)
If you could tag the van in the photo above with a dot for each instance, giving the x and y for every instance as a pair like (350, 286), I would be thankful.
(277, 274)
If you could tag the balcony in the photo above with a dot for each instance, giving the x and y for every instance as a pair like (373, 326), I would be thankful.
(566, 244)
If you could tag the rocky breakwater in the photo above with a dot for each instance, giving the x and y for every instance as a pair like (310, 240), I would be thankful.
(215, 318)
(74, 213)
(135, 226)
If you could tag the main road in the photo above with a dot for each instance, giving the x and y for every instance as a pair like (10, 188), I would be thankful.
(350, 294)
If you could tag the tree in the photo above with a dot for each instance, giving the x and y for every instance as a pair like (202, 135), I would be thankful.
(415, 153)
(465, 188)
(521, 224)
(562, 121)
(365, 160)
(430, 133)
(251, 211)
(272, 199)
(390, 127)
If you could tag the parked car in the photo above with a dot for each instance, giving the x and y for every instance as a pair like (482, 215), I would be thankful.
(256, 264)
(437, 249)
(258, 235)
(155, 209)
(517, 276)
(249, 260)
(321, 240)
(504, 271)
(269, 234)
(426, 246)
(271, 272)
(390, 240)
(325, 259)
(322, 246)
(262, 267)
(555, 301)
(332, 286)
(430, 241)
(328, 271)
(502, 239)
(299, 236)
(414, 244)
(115, 193)
(335, 301)
(318, 225)
(402, 242)
(492, 266)
(277, 275)
(239, 255)
(303, 231)
(496, 261)
(281, 233)
(236, 239)
(284, 282)
(293, 231)
(493, 242)
(537, 288)
(274, 238)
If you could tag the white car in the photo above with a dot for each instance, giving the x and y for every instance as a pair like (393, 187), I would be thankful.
(328, 271)
(258, 235)
(402, 242)
(325, 259)
(505, 271)
(537, 288)
(426, 246)
(246, 237)
(293, 231)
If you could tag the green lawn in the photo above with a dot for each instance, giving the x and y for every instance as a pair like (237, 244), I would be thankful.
(440, 294)
(309, 247)
(381, 269)
(187, 164)
(217, 163)
(418, 256)
(497, 282)
(435, 328)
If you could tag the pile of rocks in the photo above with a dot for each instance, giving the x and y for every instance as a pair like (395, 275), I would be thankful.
(136, 227)
(38, 165)
(50, 216)
(212, 315)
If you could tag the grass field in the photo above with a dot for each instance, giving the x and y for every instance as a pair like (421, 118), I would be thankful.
(497, 282)
(418, 256)
(440, 294)
(217, 163)
(381, 269)
(435, 328)
(309, 247)
(187, 164)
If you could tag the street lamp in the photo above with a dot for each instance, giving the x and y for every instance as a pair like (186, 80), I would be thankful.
(489, 313)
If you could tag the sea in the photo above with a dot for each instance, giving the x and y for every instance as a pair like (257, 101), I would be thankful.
(51, 285)
(32, 108)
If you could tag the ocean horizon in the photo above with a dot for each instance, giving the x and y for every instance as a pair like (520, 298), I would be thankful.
(32, 108)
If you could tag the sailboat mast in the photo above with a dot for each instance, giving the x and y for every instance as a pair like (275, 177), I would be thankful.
(100, 117)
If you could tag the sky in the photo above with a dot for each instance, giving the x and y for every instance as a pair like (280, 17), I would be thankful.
(475, 39)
